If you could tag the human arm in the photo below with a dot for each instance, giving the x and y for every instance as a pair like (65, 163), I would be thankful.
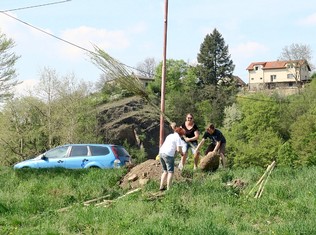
(199, 145)
(179, 150)
(179, 142)
(194, 138)
(217, 146)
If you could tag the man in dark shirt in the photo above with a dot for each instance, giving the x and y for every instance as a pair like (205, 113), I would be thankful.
(217, 138)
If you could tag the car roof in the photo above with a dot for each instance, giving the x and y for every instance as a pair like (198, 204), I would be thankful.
(102, 145)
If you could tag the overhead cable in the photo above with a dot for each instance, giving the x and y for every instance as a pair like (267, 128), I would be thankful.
(61, 39)
(42, 5)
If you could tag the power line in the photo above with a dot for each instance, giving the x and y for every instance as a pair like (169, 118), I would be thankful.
(46, 4)
(43, 31)
(61, 39)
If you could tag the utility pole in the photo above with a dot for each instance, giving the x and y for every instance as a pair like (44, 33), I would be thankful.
(163, 78)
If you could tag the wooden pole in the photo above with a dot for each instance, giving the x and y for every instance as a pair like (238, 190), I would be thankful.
(272, 166)
(163, 78)
(259, 181)
(262, 181)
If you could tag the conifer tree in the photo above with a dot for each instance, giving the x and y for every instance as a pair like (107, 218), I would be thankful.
(214, 60)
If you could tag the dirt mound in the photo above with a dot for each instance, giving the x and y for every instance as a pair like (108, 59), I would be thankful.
(140, 174)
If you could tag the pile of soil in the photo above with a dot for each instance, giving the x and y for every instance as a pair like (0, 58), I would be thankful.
(140, 174)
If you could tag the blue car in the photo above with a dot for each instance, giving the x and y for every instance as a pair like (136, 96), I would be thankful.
(78, 156)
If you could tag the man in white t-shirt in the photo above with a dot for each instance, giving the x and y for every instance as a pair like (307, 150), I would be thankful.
(170, 146)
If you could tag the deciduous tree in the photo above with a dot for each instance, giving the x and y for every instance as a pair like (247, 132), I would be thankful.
(297, 51)
(147, 68)
(7, 70)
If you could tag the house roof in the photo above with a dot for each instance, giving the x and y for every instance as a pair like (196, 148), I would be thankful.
(276, 64)
(239, 81)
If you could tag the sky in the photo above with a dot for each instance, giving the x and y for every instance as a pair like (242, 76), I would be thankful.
(131, 31)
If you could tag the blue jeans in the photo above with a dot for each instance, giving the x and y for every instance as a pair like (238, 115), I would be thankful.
(189, 146)
(167, 162)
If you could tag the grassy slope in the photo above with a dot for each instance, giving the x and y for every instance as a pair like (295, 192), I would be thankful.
(29, 201)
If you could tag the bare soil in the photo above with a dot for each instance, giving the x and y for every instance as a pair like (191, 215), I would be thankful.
(140, 174)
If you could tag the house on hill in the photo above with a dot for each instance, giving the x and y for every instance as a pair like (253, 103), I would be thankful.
(278, 74)
(239, 82)
(145, 80)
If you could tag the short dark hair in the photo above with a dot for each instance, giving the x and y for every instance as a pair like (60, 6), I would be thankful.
(212, 126)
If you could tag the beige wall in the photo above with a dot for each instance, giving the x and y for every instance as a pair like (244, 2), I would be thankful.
(264, 76)
(305, 75)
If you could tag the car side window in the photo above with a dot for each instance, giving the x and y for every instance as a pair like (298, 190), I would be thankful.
(99, 150)
(78, 151)
(58, 152)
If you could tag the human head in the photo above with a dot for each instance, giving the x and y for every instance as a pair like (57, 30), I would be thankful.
(180, 131)
(211, 128)
(189, 117)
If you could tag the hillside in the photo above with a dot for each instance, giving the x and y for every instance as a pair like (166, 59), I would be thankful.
(59, 201)
(129, 119)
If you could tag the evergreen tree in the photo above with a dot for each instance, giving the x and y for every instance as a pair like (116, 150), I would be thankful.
(214, 60)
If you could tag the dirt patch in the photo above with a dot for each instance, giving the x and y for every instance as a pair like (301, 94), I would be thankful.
(140, 174)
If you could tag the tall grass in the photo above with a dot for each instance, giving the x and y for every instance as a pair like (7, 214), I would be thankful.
(205, 204)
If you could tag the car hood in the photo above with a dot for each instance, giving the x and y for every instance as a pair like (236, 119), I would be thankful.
(21, 164)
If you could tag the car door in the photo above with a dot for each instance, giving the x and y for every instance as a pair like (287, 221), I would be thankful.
(53, 158)
(78, 157)
(102, 156)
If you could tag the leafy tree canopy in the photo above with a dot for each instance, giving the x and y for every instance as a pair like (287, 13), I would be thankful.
(7, 70)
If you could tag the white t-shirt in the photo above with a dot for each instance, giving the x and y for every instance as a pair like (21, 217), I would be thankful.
(184, 146)
(169, 146)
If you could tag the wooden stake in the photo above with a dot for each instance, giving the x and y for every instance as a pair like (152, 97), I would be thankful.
(259, 181)
(272, 166)
(87, 203)
(262, 181)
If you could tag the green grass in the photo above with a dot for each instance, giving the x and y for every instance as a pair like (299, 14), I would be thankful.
(30, 201)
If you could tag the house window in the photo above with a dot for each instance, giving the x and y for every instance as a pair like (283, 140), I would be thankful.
(290, 75)
(290, 66)
(290, 84)
(256, 67)
(260, 78)
(252, 78)
(272, 77)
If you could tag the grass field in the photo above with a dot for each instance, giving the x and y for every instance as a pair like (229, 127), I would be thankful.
(51, 202)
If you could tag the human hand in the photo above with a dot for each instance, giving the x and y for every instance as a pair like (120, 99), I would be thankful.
(186, 139)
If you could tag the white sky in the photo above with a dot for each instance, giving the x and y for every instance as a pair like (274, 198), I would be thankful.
(132, 31)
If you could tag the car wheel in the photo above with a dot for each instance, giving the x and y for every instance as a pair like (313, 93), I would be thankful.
(94, 167)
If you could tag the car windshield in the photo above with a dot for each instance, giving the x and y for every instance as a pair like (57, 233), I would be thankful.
(58, 152)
